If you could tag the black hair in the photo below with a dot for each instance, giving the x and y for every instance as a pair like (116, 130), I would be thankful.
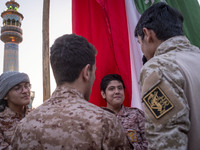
(69, 54)
(110, 77)
(144, 59)
(3, 105)
(164, 20)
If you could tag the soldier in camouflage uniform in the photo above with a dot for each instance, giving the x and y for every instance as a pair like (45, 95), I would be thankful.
(170, 80)
(14, 98)
(67, 121)
(132, 119)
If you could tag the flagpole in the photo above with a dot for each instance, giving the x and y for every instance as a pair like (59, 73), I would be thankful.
(45, 50)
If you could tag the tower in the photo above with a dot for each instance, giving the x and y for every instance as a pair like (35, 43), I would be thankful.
(11, 35)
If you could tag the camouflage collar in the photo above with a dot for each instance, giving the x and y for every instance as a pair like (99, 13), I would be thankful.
(177, 43)
(8, 112)
(62, 90)
(122, 112)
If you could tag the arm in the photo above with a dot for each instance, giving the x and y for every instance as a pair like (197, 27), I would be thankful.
(166, 109)
(114, 135)
(141, 122)
(3, 143)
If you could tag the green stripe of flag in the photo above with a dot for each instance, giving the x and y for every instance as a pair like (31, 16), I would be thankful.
(190, 9)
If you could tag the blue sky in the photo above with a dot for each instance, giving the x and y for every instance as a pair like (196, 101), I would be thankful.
(30, 50)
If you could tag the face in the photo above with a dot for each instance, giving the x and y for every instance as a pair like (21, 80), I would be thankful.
(91, 81)
(114, 94)
(19, 95)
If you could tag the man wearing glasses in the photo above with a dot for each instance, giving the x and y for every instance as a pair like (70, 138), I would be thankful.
(14, 98)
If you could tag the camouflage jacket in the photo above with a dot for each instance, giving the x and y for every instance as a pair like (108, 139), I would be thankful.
(67, 121)
(8, 123)
(170, 84)
(132, 119)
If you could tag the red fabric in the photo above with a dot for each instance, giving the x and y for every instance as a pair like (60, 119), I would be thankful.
(103, 23)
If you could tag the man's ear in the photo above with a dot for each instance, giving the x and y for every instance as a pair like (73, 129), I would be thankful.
(86, 72)
(103, 94)
(5, 98)
(149, 34)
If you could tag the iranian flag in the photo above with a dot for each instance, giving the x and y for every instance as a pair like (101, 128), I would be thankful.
(109, 25)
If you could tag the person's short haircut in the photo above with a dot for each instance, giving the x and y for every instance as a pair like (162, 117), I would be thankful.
(164, 20)
(69, 54)
(110, 77)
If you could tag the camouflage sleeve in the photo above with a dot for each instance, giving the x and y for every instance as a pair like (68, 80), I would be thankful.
(3, 143)
(166, 109)
(23, 140)
(15, 140)
(114, 135)
(141, 121)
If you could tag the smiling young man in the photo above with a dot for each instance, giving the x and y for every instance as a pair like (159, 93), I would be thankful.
(14, 98)
(169, 80)
(132, 119)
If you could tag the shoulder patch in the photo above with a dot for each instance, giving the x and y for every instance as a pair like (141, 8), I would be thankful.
(132, 135)
(157, 102)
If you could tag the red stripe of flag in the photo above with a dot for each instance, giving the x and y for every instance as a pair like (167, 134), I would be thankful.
(103, 23)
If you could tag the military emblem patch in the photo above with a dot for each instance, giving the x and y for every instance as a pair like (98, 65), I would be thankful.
(157, 102)
(132, 135)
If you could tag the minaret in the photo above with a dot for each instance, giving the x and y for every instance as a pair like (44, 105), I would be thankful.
(11, 35)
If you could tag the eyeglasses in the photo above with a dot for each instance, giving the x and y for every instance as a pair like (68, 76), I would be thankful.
(19, 88)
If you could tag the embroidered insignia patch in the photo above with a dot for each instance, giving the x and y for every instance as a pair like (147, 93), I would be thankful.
(132, 135)
(157, 102)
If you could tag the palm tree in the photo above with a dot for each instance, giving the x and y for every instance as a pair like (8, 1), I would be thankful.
(45, 49)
